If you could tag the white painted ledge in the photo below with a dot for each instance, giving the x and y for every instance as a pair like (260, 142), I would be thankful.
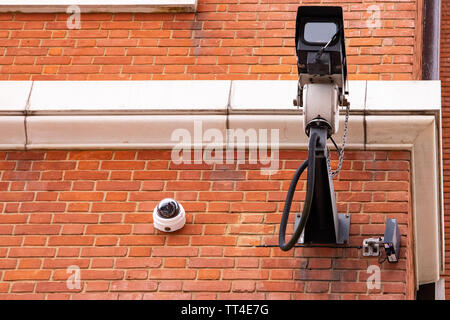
(88, 6)
(138, 97)
(385, 115)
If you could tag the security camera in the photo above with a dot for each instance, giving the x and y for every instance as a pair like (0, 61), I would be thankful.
(169, 215)
(321, 90)
(322, 66)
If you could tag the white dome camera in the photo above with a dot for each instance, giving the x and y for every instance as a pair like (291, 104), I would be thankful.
(169, 215)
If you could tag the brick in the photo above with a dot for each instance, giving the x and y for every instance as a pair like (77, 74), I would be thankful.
(37, 229)
(385, 186)
(32, 252)
(108, 229)
(248, 252)
(140, 286)
(216, 218)
(136, 275)
(229, 274)
(288, 263)
(22, 287)
(316, 275)
(155, 175)
(118, 186)
(205, 286)
(253, 207)
(92, 286)
(71, 240)
(386, 207)
(138, 263)
(10, 241)
(243, 286)
(48, 186)
(184, 185)
(86, 175)
(209, 274)
(81, 196)
(172, 274)
(141, 240)
(64, 263)
(104, 252)
(279, 286)
(60, 286)
(352, 287)
(16, 196)
(26, 275)
(213, 240)
(42, 207)
(260, 185)
(174, 252)
(211, 263)
(20, 176)
(95, 296)
(75, 218)
(113, 207)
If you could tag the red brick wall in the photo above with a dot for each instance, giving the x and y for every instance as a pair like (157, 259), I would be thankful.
(94, 209)
(445, 82)
(225, 39)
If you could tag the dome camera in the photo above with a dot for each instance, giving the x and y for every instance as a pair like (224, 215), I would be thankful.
(169, 215)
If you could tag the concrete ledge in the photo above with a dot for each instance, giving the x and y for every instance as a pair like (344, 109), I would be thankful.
(14, 97)
(88, 6)
(385, 115)
(136, 97)
(114, 132)
(399, 95)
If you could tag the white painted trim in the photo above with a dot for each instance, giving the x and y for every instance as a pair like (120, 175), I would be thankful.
(399, 95)
(117, 97)
(142, 115)
(88, 6)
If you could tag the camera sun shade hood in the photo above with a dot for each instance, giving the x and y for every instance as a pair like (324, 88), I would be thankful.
(321, 13)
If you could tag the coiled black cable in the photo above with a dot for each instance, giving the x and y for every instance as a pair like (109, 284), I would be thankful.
(310, 162)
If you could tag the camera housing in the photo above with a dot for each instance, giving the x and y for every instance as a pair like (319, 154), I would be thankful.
(320, 46)
(322, 64)
(321, 107)
(169, 215)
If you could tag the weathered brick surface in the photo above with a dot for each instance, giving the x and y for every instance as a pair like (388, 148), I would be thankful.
(215, 256)
(233, 39)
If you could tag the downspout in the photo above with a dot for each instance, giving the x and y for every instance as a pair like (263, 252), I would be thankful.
(430, 71)
(431, 39)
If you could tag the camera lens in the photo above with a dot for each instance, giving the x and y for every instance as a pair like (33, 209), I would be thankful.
(168, 208)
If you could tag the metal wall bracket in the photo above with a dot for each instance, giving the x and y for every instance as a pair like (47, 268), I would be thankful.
(301, 239)
(344, 228)
(371, 247)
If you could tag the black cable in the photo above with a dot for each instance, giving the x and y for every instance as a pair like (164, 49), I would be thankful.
(380, 261)
(321, 50)
(306, 245)
(310, 162)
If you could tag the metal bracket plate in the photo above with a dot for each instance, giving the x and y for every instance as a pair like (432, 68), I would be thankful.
(344, 228)
(371, 247)
(302, 235)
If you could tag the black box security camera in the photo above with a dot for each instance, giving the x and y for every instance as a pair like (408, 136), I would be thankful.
(320, 46)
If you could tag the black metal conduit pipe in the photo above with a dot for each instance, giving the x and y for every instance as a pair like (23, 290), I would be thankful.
(431, 39)
(310, 162)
